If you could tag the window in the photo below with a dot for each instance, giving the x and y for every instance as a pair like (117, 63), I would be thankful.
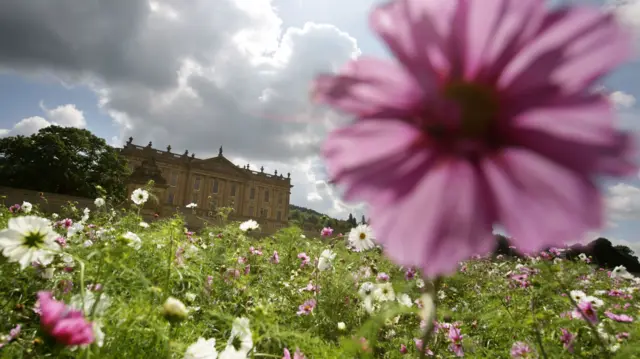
(170, 196)
(174, 179)
(214, 186)
(196, 183)
(252, 193)
(280, 198)
(232, 190)
(279, 216)
(264, 213)
(266, 195)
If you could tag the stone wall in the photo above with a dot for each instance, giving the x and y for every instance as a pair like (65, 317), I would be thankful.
(48, 202)
(53, 202)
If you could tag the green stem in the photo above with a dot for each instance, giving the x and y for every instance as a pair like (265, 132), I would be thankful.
(169, 260)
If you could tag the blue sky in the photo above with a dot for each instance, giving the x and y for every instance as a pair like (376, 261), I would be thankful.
(105, 82)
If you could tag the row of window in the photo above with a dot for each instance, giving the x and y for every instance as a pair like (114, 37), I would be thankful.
(213, 204)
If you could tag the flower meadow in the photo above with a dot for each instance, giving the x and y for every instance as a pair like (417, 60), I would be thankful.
(102, 283)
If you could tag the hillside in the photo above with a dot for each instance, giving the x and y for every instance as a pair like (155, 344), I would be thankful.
(311, 220)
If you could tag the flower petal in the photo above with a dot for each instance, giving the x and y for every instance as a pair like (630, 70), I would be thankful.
(446, 219)
(373, 159)
(417, 32)
(493, 31)
(370, 88)
(578, 133)
(541, 203)
(575, 47)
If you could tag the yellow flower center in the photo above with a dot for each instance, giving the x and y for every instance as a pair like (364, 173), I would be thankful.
(363, 236)
(479, 107)
(33, 239)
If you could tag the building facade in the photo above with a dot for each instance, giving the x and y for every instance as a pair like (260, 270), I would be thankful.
(210, 183)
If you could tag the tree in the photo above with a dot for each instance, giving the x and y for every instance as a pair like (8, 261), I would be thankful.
(363, 220)
(626, 250)
(63, 160)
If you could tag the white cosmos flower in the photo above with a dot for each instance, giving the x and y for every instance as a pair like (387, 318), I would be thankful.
(133, 239)
(75, 228)
(405, 300)
(89, 301)
(326, 259)
(240, 341)
(85, 215)
(419, 283)
(621, 272)
(192, 205)
(596, 302)
(249, 225)
(26, 207)
(55, 216)
(202, 349)
(99, 202)
(29, 239)
(384, 292)
(361, 238)
(577, 295)
(366, 289)
(144, 224)
(140, 196)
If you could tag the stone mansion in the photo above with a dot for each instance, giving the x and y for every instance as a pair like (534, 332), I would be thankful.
(210, 183)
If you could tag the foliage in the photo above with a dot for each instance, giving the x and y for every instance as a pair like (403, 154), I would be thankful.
(220, 275)
(311, 220)
(63, 160)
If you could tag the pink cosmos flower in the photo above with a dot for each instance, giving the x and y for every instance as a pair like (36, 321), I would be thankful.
(326, 231)
(587, 312)
(307, 307)
(305, 259)
(623, 318)
(67, 326)
(275, 258)
(456, 341)
(567, 339)
(297, 355)
(489, 117)
(520, 350)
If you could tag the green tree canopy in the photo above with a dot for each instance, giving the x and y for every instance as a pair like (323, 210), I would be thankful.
(63, 160)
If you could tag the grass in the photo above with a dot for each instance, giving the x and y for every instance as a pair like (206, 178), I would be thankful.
(493, 310)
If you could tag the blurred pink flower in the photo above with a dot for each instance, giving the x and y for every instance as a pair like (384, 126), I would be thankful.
(297, 355)
(326, 231)
(67, 326)
(489, 117)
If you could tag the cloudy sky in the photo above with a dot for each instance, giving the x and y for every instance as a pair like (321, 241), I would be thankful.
(198, 74)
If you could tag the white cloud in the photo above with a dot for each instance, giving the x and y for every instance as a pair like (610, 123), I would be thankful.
(622, 99)
(628, 11)
(623, 202)
(65, 116)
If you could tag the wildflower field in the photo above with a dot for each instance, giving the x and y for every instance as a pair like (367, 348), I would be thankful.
(101, 283)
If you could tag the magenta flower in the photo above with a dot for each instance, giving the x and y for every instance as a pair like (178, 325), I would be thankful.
(586, 311)
(297, 355)
(489, 118)
(567, 339)
(307, 307)
(67, 326)
(275, 258)
(623, 318)
(326, 231)
(305, 259)
(456, 341)
(520, 350)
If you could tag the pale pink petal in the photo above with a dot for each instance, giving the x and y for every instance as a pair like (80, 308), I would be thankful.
(494, 31)
(539, 202)
(418, 33)
(370, 88)
(375, 159)
(575, 47)
(578, 133)
(445, 219)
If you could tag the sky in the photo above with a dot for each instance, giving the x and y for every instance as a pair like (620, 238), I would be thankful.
(201, 74)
